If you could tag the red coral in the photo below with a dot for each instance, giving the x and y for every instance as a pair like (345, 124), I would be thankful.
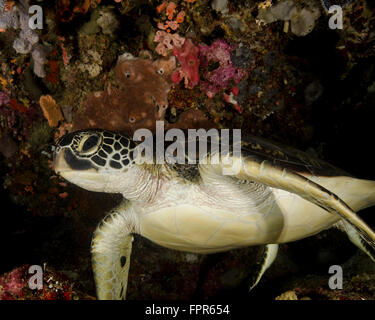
(52, 76)
(67, 10)
(187, 55)
(17, 106)
(161, 7)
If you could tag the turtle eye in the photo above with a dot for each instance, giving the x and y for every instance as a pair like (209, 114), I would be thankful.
(89, 144)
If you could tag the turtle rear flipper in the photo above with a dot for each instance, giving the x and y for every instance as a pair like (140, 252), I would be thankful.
(356, 238)
(269, 256)
(262, 171)
(111, 249)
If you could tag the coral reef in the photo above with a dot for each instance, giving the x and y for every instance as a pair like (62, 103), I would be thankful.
(121, 108)
(14, 285)
(51, 110)
(358, 284)
(18, 18)
(218, 57)
(91, 63)
(191, 119)
(4, 98)
(169, 22)
(167, 41)
(220, 6)
(8, 147)
(68, 10)
(107, 21)
(39, 54)
(187, 55)
(302, 20)
(16, 120)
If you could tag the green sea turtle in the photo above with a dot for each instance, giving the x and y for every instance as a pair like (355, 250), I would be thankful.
(277, 195)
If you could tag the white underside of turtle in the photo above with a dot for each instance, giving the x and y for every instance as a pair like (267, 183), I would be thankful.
(186, 221)
(204, 211)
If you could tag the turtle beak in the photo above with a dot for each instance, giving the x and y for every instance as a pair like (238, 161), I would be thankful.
(59, 162)
(78, 171)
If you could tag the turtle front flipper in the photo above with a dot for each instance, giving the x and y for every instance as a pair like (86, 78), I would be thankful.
(269, 256)
(111, 249)
(252, 168)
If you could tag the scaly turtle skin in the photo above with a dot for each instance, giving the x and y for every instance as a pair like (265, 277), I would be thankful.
(277, 195)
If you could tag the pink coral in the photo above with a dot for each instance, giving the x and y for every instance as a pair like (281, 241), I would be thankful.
(187, 55)
(12, 284)
(173, 25)
(167, 42)
(219, 78)
(218, 51)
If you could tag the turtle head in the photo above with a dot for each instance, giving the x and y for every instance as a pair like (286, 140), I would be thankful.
(94, 159)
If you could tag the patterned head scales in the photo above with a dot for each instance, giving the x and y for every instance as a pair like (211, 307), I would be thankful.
(98, 149)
